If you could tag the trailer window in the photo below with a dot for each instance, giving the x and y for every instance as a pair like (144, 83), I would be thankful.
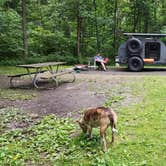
(152, 50)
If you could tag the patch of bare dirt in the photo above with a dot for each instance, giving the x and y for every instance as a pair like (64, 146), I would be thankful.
(90, 89)
(4, 81)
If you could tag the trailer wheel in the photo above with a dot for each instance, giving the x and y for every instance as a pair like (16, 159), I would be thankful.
(135, 64)
(134, 45)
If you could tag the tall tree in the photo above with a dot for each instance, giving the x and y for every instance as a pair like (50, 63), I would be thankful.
(79, 28)
(73, 29)
(115, 24)
(96, 27)
(24, 29)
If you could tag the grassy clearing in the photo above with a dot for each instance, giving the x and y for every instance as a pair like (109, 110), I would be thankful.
(141, 139)
(11, 70)
(13, 94)
(143, 125)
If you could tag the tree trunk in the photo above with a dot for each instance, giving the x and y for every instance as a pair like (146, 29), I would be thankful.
(79, 22)
(96, 27)
(24, 30)
(146, 24)
(115, 25)
(134, 18)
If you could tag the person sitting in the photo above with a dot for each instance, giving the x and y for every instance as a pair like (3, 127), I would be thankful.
(100, 61)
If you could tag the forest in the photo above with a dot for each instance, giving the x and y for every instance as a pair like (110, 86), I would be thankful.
(72, 30)
(41, 105)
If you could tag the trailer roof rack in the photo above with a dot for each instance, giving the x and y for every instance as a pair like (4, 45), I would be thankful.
(145, 34)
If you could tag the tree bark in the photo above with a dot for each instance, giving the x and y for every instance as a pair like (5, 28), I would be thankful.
(96, 26)
(115, 25)
(134, 18)
(24, 30)
(79, 25)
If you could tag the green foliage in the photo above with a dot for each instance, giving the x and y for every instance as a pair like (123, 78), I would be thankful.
(53, 141)
(11, 70)
(10, 34)
(112, 100)
(11, 116)
(15, 94)
(52, 27)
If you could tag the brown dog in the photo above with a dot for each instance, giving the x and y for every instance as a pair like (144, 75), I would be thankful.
(99, 117)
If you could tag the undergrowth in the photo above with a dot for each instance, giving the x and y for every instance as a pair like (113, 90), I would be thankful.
(140, 140)
(13, 70)
(15, 94)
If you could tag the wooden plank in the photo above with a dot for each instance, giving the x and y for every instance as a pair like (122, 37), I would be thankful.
(49, 75)
(19, 75)
(39, 65)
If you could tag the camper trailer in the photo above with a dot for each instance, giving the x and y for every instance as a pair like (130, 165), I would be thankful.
(141, 49)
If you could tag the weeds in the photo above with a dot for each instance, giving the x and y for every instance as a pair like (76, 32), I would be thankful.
(140, 140)
(16, 94)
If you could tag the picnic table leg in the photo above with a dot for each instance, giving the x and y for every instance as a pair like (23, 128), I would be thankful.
(57, 68)
(74, 77)
(51, 71)
(11, 83)
(29, 73)
(34, 79)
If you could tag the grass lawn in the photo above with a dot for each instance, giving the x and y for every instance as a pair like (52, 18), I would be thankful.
(11, 70)
(141, 138)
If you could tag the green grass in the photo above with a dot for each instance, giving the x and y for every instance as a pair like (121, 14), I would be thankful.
(15, 94)
(11, 70)
(141, 138)
(146, 122)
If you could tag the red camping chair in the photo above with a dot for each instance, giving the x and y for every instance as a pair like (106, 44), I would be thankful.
(106, 60)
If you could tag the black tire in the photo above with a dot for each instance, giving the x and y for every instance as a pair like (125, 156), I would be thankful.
(135, 64)
(134, 45)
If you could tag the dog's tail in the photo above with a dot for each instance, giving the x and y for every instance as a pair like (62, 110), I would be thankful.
(113, 121)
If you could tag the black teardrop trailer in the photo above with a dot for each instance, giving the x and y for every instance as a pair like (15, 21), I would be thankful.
(141, 49)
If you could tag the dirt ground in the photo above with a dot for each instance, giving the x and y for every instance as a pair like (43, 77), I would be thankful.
(89, 90)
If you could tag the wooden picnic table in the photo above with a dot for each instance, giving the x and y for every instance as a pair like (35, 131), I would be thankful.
(42, 68)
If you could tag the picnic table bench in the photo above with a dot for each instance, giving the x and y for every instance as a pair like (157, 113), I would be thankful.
(42, 71)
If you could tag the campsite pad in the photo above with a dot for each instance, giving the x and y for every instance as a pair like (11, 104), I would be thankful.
(70, 99)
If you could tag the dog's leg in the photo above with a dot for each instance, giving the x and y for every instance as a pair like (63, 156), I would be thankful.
(90, 132)
(103, 136)
(113, 132)
(113, 136)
